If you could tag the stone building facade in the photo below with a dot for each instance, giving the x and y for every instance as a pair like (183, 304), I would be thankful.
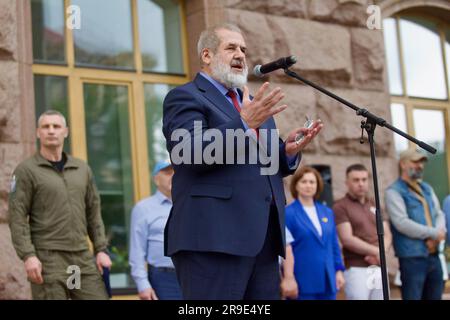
(17, 129)
(335, 50)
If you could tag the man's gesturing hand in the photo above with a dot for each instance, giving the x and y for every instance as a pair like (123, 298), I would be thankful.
(292, 148)
(255, 112)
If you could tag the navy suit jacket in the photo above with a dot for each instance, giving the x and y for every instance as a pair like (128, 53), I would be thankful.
(317, 258)
(218, 207)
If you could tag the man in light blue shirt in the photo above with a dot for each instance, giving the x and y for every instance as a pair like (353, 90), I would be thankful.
(148, 219)
(446, 209)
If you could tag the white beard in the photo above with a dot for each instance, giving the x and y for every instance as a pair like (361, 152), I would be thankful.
(222, 72)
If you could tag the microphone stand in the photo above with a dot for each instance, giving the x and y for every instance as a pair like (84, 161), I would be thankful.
(369, 124)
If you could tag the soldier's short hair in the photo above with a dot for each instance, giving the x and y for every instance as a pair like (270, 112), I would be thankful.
(52, 112)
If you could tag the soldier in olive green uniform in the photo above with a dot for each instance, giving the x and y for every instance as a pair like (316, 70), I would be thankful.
(53, 206)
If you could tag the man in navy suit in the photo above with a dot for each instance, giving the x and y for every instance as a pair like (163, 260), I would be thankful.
(226, 227)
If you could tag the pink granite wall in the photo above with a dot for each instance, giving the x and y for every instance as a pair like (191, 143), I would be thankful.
(16, 129)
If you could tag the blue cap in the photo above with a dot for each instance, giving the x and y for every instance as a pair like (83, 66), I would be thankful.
(160, 165)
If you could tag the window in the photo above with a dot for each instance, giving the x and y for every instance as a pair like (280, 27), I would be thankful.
(429, 126)
(159, 40)
(109, 78)
(109, 154)
(393, 57)
(51, 93)
(48, 31)
(399, 121)
(418, 53)
(423, 60)
(154, 96)
(106, 36)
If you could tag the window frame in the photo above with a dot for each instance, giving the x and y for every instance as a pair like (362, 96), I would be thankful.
(410, 102)
(135, 79)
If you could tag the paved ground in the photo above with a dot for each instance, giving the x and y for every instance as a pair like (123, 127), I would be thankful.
(395, 293)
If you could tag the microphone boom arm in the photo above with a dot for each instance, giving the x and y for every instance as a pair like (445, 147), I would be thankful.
(369, 125)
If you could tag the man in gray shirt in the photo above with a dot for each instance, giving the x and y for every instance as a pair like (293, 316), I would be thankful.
(418, 225)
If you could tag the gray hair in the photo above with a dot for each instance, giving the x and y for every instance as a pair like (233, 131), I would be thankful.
(52, 113)
(210, 40)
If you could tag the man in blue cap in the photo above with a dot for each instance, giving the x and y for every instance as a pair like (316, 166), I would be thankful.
(148, 219)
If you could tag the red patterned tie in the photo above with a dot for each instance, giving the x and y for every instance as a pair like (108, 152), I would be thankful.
(232, 94)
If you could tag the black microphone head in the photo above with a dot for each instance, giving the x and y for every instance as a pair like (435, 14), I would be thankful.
(257, 71)
(282, 63)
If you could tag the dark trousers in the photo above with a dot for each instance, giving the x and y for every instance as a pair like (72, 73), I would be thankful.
(164, 282)
(220, 276)
(422, 278)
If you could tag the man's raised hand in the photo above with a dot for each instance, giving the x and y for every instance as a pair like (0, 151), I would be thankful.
(255, 112)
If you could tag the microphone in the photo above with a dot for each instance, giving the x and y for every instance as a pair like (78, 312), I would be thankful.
(282, 63)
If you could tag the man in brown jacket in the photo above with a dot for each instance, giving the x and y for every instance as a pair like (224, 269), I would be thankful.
(53, 207)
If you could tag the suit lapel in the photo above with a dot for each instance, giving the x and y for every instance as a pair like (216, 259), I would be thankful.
(308, 223)
(324, 221)
(217, 99)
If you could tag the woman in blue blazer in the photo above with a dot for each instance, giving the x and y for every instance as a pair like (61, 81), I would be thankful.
(317, 256)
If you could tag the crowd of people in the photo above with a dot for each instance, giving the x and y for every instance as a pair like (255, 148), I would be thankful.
(215, 230)
(334, 248)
